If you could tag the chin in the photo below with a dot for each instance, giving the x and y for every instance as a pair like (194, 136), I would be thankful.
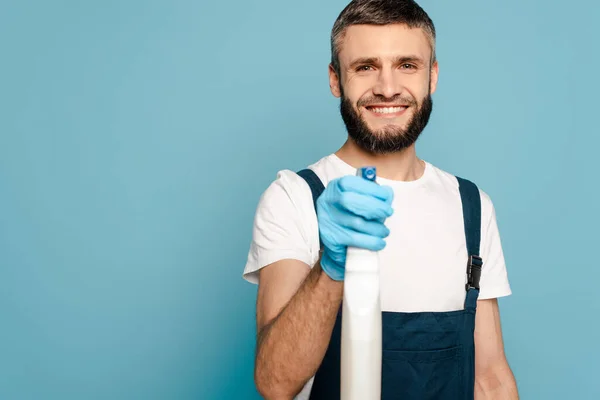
(381, 129)
(399, 122)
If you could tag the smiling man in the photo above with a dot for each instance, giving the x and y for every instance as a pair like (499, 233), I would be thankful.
(441, 261)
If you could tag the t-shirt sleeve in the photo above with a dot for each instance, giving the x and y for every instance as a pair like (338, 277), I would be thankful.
(494, 278)
(283, 225)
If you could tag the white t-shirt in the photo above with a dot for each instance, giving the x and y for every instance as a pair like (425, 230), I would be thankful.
(422, 267)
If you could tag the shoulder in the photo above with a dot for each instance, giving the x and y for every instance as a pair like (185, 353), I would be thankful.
(287, 188)
(285, 224)
(451, 182)
(287, 202)
(290, 187)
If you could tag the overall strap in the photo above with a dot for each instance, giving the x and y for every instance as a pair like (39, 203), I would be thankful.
(315, 184)
(471, 205)
(316, 188)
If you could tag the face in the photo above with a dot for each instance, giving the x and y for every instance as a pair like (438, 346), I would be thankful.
(385, 85)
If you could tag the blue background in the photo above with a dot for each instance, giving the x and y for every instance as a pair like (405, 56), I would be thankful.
(136, 138)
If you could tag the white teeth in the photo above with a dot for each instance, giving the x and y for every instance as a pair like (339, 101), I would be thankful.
(387, 110)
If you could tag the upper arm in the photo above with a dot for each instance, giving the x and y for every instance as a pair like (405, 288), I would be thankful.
(278, 282)
(489, 344)
(285, 243)
(494, 281)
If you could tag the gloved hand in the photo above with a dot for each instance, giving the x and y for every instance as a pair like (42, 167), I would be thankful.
(351, 212)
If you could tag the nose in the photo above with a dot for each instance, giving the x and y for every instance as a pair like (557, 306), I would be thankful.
(388, 84)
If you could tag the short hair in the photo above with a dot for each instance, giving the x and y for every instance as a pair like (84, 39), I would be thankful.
(380, 12)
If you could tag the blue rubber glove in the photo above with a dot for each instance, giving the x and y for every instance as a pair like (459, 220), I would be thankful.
(351, 212)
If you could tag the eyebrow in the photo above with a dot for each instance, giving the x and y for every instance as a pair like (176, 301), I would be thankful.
(376, 60)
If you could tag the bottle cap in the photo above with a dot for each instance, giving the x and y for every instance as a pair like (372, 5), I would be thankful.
(368, 173)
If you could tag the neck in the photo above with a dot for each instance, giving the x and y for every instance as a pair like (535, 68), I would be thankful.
(401, 166)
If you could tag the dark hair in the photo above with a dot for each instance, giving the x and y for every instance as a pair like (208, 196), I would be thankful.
(380, 12)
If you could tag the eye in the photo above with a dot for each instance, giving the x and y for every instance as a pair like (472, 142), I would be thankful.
(408, 66)
(363, 68)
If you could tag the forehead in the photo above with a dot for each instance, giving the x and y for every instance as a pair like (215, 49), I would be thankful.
(383, 41)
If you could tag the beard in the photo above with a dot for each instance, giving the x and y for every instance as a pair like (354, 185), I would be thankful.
(391, 138)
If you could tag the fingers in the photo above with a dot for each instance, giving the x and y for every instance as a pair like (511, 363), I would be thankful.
(357, 184)
(368, 242)
(363, 226)
(352, 213)
(366, 206)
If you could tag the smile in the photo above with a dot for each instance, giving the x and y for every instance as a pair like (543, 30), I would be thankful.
(387, 111)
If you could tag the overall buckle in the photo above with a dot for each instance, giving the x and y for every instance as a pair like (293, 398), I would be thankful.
(474, 272)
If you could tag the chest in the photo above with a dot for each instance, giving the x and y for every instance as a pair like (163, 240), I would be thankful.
(423, 267)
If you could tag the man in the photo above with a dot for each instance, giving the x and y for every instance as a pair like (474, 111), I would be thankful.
(433, 230)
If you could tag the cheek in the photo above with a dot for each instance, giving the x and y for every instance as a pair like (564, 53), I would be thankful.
(358, 87)
(417, 84)
(424, 87)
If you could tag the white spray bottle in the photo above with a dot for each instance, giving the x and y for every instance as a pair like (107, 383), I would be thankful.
(361, 322)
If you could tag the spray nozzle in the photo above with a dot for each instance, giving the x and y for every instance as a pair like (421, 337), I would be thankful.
(368, 173)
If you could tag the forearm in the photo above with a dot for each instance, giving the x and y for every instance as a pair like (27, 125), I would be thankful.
(497, 383)
(291, 347)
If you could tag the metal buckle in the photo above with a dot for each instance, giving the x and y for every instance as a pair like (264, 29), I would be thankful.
(474, 272)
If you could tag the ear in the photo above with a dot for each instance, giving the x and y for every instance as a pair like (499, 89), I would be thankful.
(434, 77)
(334, 82)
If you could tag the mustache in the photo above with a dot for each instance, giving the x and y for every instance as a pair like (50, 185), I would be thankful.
(377, 99)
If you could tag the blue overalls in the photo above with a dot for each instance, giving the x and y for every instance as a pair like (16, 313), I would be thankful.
(426, 355)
